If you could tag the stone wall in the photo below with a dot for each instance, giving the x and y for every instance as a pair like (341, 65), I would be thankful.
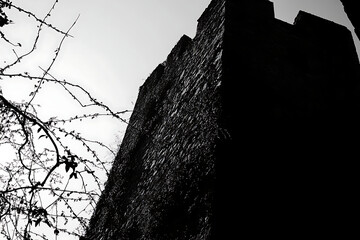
(232, 135)
(161, 185)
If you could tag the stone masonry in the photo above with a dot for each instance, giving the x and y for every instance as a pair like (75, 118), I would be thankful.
(243, 131)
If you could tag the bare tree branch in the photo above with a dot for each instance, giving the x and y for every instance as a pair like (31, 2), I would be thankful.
(47, 160)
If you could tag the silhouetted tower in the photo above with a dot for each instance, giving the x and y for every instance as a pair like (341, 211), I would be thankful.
(244, 132)
(353, 12)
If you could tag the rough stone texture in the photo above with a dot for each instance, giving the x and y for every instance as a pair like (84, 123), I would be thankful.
(352, 10)
(235, 132)
(161, 185)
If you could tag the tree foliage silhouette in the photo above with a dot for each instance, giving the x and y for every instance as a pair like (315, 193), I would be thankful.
(49, 172)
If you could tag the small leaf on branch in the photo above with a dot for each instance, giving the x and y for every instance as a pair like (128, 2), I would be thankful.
(37, 222)
(43, 136)
(73, 174)
(67, 167)
(47, 222)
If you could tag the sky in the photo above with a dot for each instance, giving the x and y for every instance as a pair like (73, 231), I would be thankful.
(120, 42)
(116, 44)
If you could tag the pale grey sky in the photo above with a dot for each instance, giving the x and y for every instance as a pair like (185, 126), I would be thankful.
(117, 44)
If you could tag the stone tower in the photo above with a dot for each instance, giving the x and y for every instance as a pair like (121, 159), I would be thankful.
(243, 131)
(352, 10)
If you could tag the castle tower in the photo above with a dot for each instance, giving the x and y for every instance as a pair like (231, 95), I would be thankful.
(351, 10)
(242, 130)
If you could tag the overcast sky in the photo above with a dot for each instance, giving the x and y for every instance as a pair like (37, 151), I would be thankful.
(117, 43)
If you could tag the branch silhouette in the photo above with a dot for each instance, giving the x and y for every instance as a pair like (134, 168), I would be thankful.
(51, 175)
